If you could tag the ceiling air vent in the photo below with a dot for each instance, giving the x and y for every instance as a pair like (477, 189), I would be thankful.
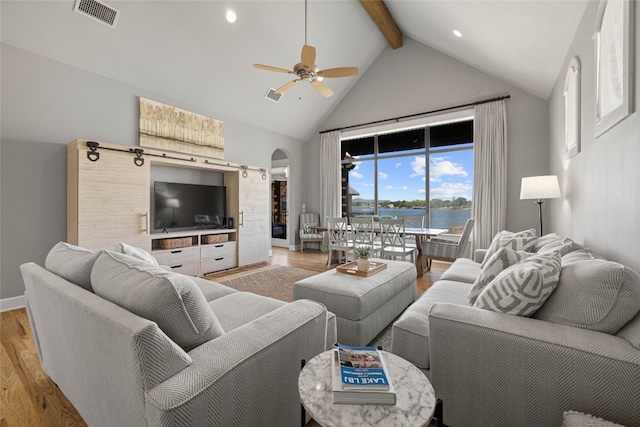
(98, 11)
(272, 95)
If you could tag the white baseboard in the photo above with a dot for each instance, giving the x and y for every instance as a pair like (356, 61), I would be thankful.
(7, 304)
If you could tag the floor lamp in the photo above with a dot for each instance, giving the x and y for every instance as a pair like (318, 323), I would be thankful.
(540, 187)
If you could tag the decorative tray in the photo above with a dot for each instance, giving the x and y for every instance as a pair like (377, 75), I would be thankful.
(352, 268)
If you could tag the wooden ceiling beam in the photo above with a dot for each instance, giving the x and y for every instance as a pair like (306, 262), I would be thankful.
(379, 13)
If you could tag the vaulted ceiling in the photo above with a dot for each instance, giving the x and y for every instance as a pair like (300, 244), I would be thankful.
(186, 50)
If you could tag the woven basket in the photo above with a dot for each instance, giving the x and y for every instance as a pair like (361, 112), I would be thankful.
(215, 238)
(180, 242)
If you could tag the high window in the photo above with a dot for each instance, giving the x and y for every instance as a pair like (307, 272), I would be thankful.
(421, 172)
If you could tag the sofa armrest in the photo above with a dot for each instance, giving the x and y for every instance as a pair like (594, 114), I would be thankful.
(478, 255)
(248, 376)
(496, 369)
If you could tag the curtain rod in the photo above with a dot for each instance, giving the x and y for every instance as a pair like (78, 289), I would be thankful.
(500, 98)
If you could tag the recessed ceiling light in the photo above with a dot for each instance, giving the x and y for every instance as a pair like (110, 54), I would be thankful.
(231, 16)
(457, 33)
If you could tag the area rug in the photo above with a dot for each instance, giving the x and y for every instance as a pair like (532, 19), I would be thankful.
(274, 281)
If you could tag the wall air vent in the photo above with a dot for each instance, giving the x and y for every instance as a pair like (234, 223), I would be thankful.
(98, 11)
(272, 95)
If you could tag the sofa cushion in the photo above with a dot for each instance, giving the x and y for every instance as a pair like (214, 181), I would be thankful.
(522, 288)
(410, 333)
(240, 308)
(520, 241)
(501, 260)
(462, 270)
(171, 300)
(72, 263)
(139, 253)
(594, 294)
(212, 290)
(631, 331)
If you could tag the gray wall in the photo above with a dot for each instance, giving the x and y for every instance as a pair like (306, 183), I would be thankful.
(417, 78)
(601, 185)
(46, 104)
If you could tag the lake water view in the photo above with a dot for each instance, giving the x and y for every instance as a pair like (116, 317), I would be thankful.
(440, 218)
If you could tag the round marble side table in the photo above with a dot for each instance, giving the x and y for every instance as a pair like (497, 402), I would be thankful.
(415, 398)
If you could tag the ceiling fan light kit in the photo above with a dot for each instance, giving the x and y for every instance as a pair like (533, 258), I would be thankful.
(307, 70)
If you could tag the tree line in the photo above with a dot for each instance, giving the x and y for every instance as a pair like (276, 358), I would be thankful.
(457, 203)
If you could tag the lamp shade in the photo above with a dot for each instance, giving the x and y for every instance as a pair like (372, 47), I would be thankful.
(540, 187)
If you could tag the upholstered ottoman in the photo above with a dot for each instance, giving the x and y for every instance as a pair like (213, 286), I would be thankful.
(363, 306)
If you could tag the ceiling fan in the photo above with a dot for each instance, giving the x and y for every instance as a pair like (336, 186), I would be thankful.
(307, 70)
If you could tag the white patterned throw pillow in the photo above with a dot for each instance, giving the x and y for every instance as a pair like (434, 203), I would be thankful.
(524, 287)
(139, 253)
(498, 243)
(502, 259)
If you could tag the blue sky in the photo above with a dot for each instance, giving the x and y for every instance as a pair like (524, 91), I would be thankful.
(451, 176)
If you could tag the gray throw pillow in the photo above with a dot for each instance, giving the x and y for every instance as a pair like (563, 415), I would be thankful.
(498, 262)
(171, 300)
(595, 294)
(524, 287)
(72, 263)
(575, 256)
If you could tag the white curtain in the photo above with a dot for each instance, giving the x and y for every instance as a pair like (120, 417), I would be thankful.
(330, 190)
(490, 172)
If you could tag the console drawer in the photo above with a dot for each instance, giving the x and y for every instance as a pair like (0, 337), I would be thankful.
(190, 269)
(212, 265)
(218, 250)
(172, 257)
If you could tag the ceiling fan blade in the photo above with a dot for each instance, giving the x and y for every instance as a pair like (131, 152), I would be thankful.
(270, 68)
(322, 88)
(308, 56)
(338, 72)
(287, 86)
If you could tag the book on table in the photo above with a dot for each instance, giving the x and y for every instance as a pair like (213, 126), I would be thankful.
(360, 377)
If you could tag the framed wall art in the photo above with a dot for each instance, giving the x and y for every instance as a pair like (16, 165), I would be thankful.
(169, 128)
(572, 110)
(614, 63)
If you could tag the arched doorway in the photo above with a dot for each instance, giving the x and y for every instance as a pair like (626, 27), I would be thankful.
(279, 199)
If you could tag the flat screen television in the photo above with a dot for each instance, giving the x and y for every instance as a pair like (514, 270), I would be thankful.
(189, 206)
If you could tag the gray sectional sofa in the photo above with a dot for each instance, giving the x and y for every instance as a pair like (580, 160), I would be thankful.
(132, 344)
(579, 349)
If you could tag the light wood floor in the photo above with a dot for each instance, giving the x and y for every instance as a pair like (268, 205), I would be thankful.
(30, 398)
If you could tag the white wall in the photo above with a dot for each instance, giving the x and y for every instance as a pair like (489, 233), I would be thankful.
(601, 185)
(417, 78)
(46, 104)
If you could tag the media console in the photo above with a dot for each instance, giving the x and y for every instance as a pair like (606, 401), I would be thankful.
(109, 201)
(197, 257)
